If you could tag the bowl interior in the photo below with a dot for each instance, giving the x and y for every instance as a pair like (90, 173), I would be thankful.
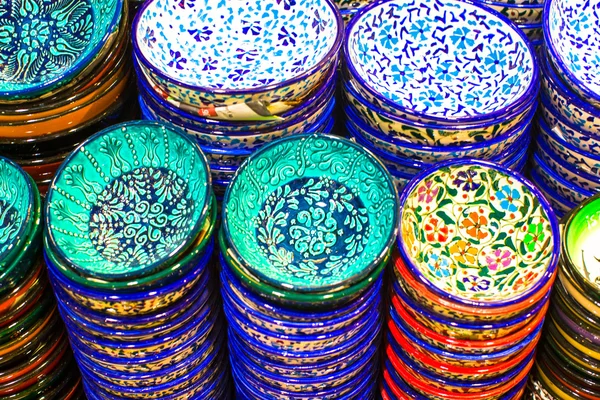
(222, 46)
(51, 41)
(476, 233)
(429, 67)
(130, 199)
(301, 213)
(582, 235)
(16, 209)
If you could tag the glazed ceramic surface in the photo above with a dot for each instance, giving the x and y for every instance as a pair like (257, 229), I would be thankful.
(517, 13)
(418, 59)
(558, 184)
(128, 200)
(206, 53)
(301, 214)
(48, 43)
(569, 30)
(478, 233)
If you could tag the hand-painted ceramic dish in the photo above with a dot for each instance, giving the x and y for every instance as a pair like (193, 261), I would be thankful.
(49, 43)
(459, 88)
(478, 234)
(300, 214)
(128, 200)
(207, 53)
(573, 45)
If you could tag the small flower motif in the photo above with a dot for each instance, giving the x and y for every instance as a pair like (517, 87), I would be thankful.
(402, 75)
(475, 225)
(439, 266)
(246, 55)
(464, 253)
(436, 230)
(149, 38)
(364, 53)
(238, 74)
(465, 179)
(319, 24)
(287, 4)
(431, 98)
(444, 73)
(494, 60)
(426, 193)
(461, 39)
(535, 234)
(473, 99)
(209, 63)
(499, 259)
(507, 197)
(525, 281)
(387, 38)
(513, 81)
(177, 60)
(200, 35)
(475, 283)
(286, 37)
(418, 30)
(252, 27)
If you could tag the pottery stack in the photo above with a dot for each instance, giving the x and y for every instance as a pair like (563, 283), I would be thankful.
(568, 361)
(527, 15)
(566, 165)
(63, 78)
(128, 246)
(349, 8)
(237, 77)
(477, 255)
(416, 95)
(307, 226)
(35, 358)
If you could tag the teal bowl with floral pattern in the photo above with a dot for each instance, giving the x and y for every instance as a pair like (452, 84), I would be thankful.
(310, 213)
(128, 201)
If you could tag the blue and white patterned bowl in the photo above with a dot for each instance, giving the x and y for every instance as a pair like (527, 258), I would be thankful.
(204, 52)
(570, 31)
(417, 60)
(560, 205)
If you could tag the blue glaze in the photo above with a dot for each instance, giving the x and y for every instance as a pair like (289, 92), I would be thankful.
(560, 205)
(568, 190)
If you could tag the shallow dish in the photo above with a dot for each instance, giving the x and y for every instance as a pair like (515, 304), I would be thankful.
(327, 198)
(572, 44)
(487, 222)
(567, 190)
(453, 93)
(63, 46)
(81, 195)
(292, 45)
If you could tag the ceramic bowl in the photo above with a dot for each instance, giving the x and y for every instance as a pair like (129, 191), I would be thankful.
(570, 328)
(557, 142)
(578, 252)
(56, 36)
(453, 93)
(277, 66)
(579, 112)
(576, 341)
(579, 319)
(534, 32)
(563, 365)
(568, 31)
(463, 216)
(577, 292)
(435, 154)
(26, 321)
(517, 13)
(560, 383)
(82, 198)
(328, 198)
(400, 129)
(560, 205)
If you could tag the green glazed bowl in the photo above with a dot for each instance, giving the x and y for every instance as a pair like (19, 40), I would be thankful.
(166, 275)
(294, 299)
(128, 201)
(17, 208)
(581, 246)
(310, 213)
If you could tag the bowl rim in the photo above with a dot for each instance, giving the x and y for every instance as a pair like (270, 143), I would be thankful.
(351, 280)
(137, 54)
(530, 92)
(546, 131)
(546, 207)
(194, 231)
(574, 310)
(573, 329)
(510, 5)
(546, 169)
(547, 106)
(555, 55)
(77, 67)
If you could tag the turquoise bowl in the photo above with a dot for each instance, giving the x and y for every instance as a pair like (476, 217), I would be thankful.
(311, 213)
(128, 201)
(45, 44)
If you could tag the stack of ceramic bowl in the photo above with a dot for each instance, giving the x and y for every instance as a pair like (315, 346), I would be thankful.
(416, 98)
(63, 77)
(238, 77)
(349, 8)
(128, 245)
(566, 166)
(307, 227)
(478, 250)
(527, 15)
(35, 359)
(568, 362)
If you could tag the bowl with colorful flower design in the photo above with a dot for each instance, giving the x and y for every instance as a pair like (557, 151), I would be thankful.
(478, 234)
(129, 201)
(319, 226)
(268, 51)
(438, 80)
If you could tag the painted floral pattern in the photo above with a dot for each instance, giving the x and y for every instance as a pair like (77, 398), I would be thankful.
(497, 240)
(14, 203)
(456, 60)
